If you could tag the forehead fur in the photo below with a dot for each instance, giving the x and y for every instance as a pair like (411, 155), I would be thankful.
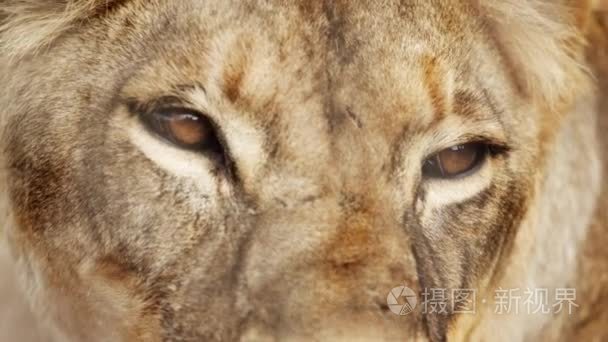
(541, 40)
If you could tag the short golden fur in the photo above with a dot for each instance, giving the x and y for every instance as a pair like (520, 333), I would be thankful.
(328, 109)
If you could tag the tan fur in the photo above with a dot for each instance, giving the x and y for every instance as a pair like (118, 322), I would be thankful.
(547, 48)
(327, 110)
(31, 25)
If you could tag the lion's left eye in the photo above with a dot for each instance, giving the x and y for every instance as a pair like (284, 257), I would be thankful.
(455, 161)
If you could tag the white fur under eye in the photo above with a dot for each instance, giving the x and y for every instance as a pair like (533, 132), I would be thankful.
(441, 192)
(174, 160)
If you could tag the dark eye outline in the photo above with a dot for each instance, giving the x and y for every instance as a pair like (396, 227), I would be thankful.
(154, 115)
(432, 169)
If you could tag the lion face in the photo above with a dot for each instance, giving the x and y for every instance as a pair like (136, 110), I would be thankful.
(191, 170)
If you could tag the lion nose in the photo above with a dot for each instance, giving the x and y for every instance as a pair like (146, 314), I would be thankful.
(336, 280)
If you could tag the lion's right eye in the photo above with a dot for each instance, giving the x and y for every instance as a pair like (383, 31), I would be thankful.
(184, 128)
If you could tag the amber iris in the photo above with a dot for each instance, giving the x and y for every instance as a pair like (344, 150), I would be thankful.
(187, 129)
(183, 128)
(455, 161)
